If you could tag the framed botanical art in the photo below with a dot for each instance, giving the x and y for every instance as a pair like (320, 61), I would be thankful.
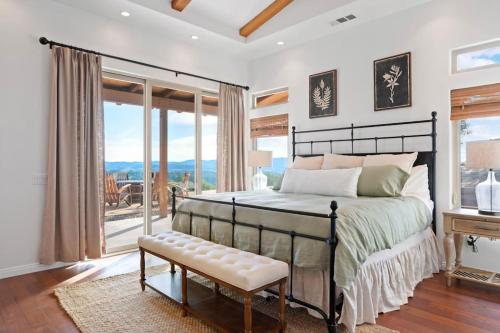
(323, 94)
(392, 82)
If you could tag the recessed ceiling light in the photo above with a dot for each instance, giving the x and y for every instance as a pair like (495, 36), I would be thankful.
(126, 14)
(194, 37)
(280, 42)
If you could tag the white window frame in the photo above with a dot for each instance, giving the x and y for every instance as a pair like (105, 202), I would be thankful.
(463, 50)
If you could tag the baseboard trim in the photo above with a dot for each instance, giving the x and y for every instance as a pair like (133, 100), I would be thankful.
(29, 268)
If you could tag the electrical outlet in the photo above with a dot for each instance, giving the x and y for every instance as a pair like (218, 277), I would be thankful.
(39, 179)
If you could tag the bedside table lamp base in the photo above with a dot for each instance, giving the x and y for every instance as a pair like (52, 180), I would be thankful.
(488, 196)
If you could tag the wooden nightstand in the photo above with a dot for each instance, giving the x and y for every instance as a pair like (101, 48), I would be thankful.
(463, 222)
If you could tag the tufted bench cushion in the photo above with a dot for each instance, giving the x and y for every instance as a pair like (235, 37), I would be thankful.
(241, 269)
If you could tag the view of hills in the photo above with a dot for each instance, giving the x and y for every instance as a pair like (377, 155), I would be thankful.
(176, 170)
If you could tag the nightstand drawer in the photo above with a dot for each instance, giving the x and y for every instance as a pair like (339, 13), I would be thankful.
(477, 227)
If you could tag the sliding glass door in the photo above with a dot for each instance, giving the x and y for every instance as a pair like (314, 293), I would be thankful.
(208, 119)
(157, 136)
(124, 161)
(173, 157)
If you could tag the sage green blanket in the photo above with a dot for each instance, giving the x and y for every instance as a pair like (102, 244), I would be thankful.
(364, 226)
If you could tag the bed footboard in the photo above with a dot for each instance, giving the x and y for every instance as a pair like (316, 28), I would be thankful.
(331, 241)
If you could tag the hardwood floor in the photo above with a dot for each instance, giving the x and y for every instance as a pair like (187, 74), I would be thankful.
(27, 303)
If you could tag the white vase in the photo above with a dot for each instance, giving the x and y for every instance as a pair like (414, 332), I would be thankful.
(488, 195)
(259, 181)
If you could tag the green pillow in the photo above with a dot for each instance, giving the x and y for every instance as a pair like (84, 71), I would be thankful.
(381, 181)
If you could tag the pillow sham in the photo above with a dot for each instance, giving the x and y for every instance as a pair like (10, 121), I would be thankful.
(307, 163)
(337, 161)
(334, 182)
(418, 183)
(382, 181)
(403, 161)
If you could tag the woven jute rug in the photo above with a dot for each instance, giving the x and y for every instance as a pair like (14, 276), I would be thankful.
(117, 304)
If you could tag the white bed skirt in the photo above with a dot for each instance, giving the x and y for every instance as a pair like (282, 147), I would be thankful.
(383, 283)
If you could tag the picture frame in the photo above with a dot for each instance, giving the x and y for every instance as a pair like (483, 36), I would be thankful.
(323, 94)
(392, 82)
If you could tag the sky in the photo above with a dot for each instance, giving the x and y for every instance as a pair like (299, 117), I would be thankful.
(479, 58)
(124, 128)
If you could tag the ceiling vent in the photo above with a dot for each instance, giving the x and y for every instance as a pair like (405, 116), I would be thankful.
(343, 19)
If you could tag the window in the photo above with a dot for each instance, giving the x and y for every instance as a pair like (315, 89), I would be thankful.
(271, 134)
(476, 57)
(270, 97)
(474, 129)
(477, 112)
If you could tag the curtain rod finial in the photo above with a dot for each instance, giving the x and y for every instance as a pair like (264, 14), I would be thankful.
(43, 40)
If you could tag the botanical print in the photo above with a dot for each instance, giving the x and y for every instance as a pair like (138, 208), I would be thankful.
(392, 84)
(391, 78)
(323, 94)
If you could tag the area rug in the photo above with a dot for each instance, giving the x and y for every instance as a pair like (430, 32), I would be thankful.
(117, 304)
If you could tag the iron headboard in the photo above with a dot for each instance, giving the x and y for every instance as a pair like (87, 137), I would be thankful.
(424, 156)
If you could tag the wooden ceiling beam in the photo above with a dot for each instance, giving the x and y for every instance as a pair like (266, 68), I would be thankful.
(264, 16)
(179, 5)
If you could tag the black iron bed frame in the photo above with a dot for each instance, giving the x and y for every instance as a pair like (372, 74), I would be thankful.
(424, 157)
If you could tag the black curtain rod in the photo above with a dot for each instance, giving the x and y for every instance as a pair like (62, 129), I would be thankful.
(45, 41)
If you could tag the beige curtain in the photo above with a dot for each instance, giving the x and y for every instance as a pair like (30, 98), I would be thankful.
(231, 159)
(74, 210)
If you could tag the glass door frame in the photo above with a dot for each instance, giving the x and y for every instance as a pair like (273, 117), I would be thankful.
(147, 138)
(138, 80)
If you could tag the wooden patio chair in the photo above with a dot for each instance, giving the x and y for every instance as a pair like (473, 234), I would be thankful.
(182, 189)
(115, 195)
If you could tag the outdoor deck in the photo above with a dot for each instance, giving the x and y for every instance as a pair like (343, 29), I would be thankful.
(124, 224)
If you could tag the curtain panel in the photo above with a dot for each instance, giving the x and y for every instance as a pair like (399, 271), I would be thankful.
(74, 210)
(231, 159)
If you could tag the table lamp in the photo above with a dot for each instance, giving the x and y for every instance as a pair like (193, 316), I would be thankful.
(485, 154)
(259, 159)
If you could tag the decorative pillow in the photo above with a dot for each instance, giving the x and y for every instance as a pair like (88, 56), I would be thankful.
(334, 182)
(336, 161)
(418, 183)
(277, 184)
(403, 161)
(308, 163)
(382, 181)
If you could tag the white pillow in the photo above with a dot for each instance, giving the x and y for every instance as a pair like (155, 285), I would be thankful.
(417, 184)
(403, 161)
(334, 182)
(336, 161)
(308, 163)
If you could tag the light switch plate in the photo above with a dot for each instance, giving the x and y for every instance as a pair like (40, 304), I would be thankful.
(39, 179)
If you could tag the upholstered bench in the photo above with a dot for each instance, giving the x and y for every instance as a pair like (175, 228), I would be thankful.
(243, 272)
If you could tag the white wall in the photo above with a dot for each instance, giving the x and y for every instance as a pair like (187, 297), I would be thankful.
(24, 77)
(429, 31)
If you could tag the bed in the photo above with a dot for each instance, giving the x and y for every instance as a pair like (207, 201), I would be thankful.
(362, 255)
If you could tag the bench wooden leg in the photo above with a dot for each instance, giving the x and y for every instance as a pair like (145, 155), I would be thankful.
(143, 268)
(248, 313)
(217, 288)
(184, 291)
(172, 268)
(282, 306)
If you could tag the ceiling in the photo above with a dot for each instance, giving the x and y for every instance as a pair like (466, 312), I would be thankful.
(226, 17)
(217, 22)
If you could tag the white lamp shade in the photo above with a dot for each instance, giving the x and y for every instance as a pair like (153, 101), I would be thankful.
(484, 154)
(260, 158)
